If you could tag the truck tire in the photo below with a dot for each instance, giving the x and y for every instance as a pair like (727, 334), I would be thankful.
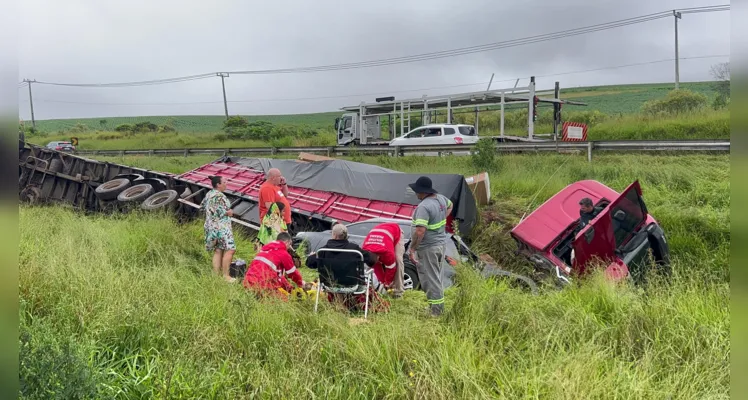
(135, 194)
(55, 165)
(31, 195)
(410, 274)
(110, 190)
(516, 281)
(160, 200)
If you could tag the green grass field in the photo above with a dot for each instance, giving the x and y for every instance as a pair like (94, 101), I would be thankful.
(125, 307)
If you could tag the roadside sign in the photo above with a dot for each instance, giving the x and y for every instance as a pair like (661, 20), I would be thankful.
(74, 141)
(574, 132)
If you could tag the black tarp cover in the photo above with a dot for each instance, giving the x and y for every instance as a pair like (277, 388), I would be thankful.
(369, 182)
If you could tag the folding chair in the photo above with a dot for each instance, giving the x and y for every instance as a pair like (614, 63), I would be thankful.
(346, 277)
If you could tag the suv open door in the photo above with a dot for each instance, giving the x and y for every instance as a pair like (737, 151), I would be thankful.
(611, 228)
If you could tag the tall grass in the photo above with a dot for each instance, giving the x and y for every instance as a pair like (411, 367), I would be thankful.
(126, 307)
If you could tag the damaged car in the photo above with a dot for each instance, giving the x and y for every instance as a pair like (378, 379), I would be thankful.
(456, 252)
(623, 236)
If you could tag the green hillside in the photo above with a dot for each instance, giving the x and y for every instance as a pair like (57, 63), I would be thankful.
(623, 99)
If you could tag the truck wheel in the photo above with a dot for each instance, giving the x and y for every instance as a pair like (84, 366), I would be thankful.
(55, 165)
(160, 200)
(31, 195)
(514, 280)
(135, 193)
(110, 190)
(410, 277)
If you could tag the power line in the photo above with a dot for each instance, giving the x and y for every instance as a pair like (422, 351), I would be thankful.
(419, 57)
(383, 92)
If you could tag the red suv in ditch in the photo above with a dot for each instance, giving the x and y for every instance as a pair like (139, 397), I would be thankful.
(622, 235)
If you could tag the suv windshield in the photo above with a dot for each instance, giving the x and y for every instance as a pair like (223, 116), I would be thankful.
(467, 130)
(627, 215)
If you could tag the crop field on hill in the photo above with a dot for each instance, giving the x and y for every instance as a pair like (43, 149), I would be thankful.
(612, 100)
(627, 99)
(188, 123)
(125, 306)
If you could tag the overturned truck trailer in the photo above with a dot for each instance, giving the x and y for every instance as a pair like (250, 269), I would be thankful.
(320, 192)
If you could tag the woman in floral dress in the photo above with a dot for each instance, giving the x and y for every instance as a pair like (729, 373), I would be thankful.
(272, 224)
(219, 237)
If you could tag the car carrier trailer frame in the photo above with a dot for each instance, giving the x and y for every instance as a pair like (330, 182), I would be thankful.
(360, 125)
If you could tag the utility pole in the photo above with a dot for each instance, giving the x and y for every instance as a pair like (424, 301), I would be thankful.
(223, 85)
(556, 111)
(31, 102)
(677, 16)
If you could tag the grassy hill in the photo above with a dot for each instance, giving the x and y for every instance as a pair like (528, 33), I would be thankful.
(619, 99)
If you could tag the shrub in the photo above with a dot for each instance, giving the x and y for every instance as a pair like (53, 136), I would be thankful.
(258, 130)
(590, 117)
(235, 122)
(146, 126)
(676, 102)
(220, 137)
(166, 128)
(235, 133)
(282, 142)
(283, 131)
(124, 128)
(720, 102)
(484, 154)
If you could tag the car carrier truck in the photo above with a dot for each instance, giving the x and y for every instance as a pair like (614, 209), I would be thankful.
(361, 124)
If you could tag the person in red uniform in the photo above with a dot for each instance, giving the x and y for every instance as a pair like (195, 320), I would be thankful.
(386, 241)
(272, 266)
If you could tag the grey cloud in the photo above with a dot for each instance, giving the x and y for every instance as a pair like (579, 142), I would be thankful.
(93, 41)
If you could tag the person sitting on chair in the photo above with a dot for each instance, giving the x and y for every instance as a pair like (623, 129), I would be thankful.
(346, 261)
(339, 241)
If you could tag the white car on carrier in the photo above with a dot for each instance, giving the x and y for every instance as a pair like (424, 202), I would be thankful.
(437, 134)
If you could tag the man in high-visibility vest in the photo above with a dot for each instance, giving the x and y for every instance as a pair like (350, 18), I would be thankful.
(272, 266)
(428, 241)
(387, 242)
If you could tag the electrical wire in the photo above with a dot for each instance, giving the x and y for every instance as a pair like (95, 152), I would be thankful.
(377, 93)
(418, 57)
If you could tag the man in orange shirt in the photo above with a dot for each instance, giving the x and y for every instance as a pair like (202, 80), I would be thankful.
(272, 190)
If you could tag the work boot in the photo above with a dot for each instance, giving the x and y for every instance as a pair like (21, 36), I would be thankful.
(437, 310)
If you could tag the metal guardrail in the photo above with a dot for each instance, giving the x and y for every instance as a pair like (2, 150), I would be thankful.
(706, 145)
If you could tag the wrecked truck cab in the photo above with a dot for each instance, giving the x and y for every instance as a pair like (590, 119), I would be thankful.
(623, 235)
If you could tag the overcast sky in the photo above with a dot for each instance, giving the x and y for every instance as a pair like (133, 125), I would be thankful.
(94, 41)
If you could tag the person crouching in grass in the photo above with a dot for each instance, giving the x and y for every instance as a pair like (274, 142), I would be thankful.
(272, 267)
